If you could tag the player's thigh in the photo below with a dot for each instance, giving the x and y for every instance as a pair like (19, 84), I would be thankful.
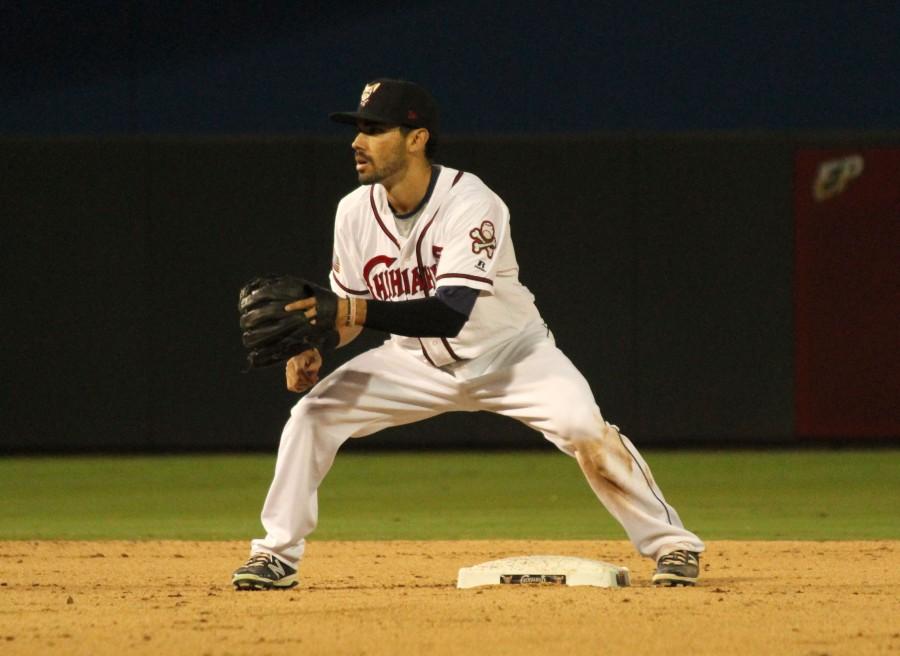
(545, 391)
(377, 389)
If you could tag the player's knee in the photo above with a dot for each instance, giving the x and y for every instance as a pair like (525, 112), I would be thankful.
(317, 419)
(301, 407)
(581, 424)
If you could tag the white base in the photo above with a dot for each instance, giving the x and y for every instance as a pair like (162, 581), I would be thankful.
(544, 570)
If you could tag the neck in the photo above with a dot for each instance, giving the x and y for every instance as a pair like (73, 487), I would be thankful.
(410, 188)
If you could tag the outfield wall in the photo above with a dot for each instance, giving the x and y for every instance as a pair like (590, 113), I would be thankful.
(665, 266)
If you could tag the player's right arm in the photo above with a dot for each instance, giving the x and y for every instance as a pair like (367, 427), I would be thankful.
(346, 275)
(346, 267)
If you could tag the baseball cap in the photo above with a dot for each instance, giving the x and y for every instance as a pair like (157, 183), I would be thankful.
(395, 102)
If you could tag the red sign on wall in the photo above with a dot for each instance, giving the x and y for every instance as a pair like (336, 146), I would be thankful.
(847, 292)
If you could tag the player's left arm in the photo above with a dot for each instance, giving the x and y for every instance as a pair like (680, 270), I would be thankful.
(474, 229)
(426, 317)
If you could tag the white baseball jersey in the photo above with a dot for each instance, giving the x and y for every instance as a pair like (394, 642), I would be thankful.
(461, 238)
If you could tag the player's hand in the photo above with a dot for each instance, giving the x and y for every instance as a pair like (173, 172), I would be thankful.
(302, 371)
(306, 305)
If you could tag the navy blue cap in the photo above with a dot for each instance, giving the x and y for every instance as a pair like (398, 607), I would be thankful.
(394, 102)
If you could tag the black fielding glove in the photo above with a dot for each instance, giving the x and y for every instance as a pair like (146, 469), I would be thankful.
(272, 335)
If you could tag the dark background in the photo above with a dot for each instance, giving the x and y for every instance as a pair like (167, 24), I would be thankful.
(120, 66)
(153, 159)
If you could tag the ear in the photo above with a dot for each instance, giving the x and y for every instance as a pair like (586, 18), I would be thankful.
(417, 140)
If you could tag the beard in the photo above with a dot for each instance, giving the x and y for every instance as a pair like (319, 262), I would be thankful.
(388, 168)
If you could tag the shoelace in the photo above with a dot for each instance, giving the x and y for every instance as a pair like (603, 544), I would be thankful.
(258, 559)
(678, 558)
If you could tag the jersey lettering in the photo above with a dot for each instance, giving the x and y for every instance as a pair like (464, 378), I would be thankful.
(386, 283)
(397, 279)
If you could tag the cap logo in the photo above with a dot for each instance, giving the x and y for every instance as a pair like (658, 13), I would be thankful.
(367, 93)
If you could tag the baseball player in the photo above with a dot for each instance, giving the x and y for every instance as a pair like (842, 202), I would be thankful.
(424, 252)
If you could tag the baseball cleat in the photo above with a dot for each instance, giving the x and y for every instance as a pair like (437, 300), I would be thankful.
(680, 567)
(264, 572)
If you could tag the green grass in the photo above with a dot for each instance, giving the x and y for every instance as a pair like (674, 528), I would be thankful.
(808, 495)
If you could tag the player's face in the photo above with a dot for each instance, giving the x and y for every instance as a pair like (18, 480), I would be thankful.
(380, 152)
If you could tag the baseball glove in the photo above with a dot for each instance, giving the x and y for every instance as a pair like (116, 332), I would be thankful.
(271, 334)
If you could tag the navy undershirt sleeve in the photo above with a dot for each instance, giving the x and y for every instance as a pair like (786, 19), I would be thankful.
(460, 298)
(443, 315)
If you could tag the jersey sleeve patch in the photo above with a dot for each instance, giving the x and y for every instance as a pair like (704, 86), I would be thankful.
(484, 239)
(472, 237)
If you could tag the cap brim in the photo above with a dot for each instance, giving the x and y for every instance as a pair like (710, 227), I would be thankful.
(351, 118)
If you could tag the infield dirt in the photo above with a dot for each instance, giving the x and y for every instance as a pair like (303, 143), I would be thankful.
(808, 598)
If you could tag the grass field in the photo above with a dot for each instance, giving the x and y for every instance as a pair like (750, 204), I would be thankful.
(806, 495)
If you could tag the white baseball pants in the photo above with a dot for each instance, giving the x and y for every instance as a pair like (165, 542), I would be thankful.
(528, 379)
